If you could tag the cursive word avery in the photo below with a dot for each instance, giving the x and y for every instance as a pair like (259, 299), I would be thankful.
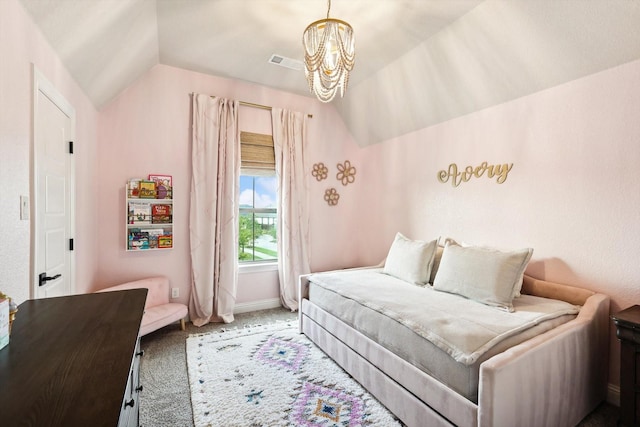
(500, 172)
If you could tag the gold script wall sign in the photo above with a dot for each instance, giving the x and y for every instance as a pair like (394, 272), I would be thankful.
(458, 177)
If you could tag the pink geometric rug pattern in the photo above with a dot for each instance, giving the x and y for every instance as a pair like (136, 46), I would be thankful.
(273, 376)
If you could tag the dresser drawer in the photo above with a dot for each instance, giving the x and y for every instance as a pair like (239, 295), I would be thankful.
(130, 415)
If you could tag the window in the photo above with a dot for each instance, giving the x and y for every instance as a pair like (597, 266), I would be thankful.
(258, 200)
(258, 219)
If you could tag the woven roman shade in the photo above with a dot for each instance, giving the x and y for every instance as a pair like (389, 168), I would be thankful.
(257, 155)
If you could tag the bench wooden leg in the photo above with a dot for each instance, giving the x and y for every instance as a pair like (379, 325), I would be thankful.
(182, 324)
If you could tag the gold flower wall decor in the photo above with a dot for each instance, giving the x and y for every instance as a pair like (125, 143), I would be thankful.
(320, 171)
(331, 196)
(346, 173)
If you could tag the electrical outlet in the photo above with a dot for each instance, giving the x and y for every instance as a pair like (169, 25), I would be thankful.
(175, 292)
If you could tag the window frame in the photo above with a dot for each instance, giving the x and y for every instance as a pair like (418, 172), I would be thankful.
(257, 158)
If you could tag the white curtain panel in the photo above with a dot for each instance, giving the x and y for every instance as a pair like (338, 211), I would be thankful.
(213, 221)
(289, 140)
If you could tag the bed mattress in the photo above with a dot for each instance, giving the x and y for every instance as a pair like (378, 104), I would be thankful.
(411, 346)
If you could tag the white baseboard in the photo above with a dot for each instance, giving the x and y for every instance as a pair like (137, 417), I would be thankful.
(613, 394)
(264, 304)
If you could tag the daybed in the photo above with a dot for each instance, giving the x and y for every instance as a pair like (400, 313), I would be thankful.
(550, 372)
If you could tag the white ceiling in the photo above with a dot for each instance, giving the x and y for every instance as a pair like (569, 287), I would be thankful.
(106, 44)
(433, 59)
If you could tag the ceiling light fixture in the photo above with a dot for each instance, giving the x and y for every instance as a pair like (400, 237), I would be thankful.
(329, 56)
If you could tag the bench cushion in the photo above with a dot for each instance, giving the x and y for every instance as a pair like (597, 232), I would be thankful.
(161, 315)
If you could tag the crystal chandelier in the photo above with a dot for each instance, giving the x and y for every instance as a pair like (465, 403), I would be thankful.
(329, 56)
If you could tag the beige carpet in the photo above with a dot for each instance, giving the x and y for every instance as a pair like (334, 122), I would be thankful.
(165, 398)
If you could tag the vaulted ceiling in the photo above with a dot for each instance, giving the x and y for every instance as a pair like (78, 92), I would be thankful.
(418, 62)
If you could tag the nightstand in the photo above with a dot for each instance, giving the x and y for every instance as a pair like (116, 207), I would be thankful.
(628, 332)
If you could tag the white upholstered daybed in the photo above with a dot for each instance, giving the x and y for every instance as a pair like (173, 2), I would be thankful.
(547, 370)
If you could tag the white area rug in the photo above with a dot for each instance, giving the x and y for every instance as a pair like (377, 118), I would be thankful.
(273, 376)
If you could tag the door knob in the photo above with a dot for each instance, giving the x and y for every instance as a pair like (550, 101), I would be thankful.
(42, 278)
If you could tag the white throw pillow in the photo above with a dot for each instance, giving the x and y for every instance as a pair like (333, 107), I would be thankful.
(442, 241)
(483, 274)
(410, 260)
(436, 263)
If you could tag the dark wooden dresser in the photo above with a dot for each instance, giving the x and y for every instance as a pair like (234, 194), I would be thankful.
(73, 361)
(628, 331)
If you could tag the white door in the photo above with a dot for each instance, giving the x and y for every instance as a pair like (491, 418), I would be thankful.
(53, 193)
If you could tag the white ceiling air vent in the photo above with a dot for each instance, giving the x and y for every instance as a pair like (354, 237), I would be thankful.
(286, 62)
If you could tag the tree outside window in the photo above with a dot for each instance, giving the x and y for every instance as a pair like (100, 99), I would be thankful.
(258, 219)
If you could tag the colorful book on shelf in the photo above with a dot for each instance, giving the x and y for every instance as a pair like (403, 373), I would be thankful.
(163, 192)
(133, 188)
(165, 241)
(138, 240)
(165, 180)
(164, 184)
(147, 189)
(161, 214)
(153, 231)
(139, 213)
(154, 234)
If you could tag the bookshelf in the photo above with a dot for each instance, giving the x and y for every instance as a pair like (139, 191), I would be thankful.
(149, 217)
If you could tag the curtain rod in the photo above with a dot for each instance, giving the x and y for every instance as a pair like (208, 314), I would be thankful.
(263, 107)
(251, 104)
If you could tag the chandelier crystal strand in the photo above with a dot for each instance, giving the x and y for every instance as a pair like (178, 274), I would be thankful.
(329, 56)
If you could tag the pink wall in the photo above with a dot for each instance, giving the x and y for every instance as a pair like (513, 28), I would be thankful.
(147, 130)
(21, 45)
(573, 193)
